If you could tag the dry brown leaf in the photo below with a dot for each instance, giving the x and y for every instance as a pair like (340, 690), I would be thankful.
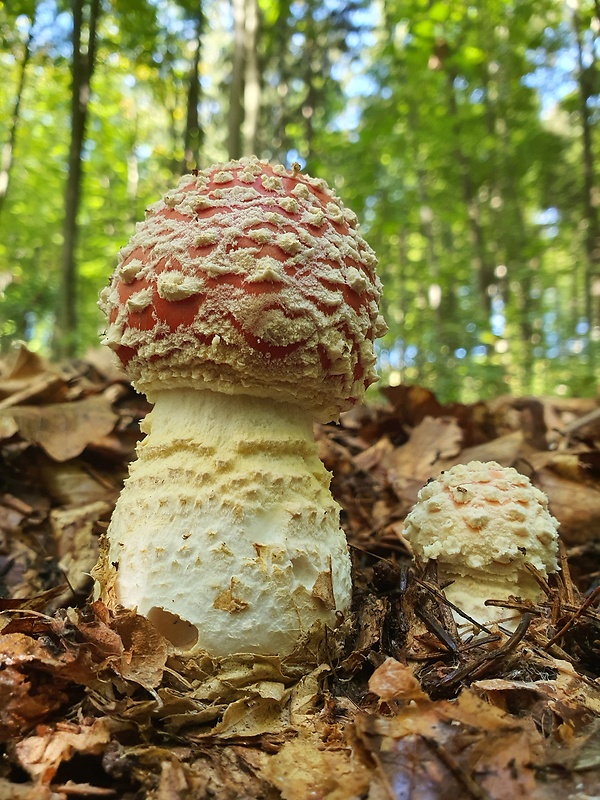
(504, 765)
(323, 589)
(304, 769)
(175, 781)
(440, 749)
(73, 483)
(93, 627)
(41, 755)
(408, 770)
(254, 715)
(25, 791)
(32, 680)
(506, 450)
(26, 376)
(24, 701)
(575, 505)
(372, 457)
(8, 426)
(63, 430)
(572, 699)
(145, 649)
(76, 541)
(396, 681)
(432, 440)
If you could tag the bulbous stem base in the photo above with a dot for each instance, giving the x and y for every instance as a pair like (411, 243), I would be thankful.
(226, 534)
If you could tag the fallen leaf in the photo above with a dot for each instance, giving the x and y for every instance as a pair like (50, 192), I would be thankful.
(25, 701)
(503, 449)
(33, 678)
(145, 649)
(72, 483)
(431, 440)
(575, 505)
(25, 376)
(305, 769)
(76, 540)
(63, 430)
(40, 755)
(25, 791)
(440, 749)
(395, 681)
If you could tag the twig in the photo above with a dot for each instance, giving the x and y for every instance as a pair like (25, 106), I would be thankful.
(488, 659)
(35, 387)
(475, 791)
(434, 626)
(581, 422)
(580, 611)
(440, 596)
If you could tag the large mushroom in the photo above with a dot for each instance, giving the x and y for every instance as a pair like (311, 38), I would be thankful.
(245, 307)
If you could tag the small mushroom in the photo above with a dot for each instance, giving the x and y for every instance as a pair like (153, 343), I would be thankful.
(237, 310)
(483, 523)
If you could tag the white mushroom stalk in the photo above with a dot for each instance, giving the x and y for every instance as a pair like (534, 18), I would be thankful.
(483, 523)
(245, 307)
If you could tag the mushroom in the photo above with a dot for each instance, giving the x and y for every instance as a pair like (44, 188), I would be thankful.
(245, 307)
(484, 523)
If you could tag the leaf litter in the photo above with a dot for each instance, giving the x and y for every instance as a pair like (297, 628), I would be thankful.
(94, 703)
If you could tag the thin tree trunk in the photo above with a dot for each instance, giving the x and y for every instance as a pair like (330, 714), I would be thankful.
(7, 154)
(133, 174)
(311, 98)
(282, 38)
(83, 66)
(193, 132)
(590, 199)
(252, 78)
(484, 270)
(236, 92)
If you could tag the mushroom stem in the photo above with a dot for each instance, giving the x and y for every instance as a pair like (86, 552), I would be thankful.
(470, 593)
(226, 535)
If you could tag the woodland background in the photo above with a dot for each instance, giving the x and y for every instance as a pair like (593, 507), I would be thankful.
(464, 134)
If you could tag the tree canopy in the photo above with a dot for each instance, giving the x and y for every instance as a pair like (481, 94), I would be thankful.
(464, 135)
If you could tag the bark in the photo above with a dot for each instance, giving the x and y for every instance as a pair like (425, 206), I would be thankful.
(193, 132)
(252, 90)
(589, 196)
(7, 154)
(133, 175)
(245, 91)
(280, 111)
(84, 52)
(483, 266)
(236, 91)
(311, 99)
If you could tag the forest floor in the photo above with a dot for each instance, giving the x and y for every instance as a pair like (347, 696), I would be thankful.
(94, 705)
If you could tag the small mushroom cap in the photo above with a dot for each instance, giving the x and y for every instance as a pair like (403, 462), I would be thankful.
(248, 279)
(481, 517)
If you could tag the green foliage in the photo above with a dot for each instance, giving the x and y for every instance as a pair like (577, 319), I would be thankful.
(452, 129)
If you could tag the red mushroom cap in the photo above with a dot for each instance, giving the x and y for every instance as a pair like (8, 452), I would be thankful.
(248, 279)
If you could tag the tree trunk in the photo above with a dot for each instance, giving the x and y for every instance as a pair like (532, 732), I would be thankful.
(84, 51)
(236, 91)
(484, 269)
(193, 132)
(251, 78)
(7, 154)
(244, 95)
(590, 197)
(311, 97)
(280, 111)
